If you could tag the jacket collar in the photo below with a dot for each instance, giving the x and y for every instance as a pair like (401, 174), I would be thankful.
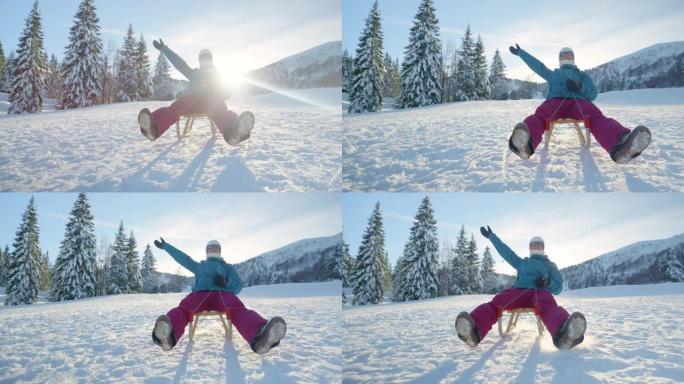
(539, 256)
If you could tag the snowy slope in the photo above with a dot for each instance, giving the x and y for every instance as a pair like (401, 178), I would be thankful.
(295, 146)
(299, 261)
(643, 262)
(107, 340)
(631, 337)
(314, 68)
(464, 147)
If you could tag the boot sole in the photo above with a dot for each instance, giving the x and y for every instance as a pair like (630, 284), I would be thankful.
(519, 139)
(640, 142)
(145, 123)
(243, 129)
(275, 333)
(575, 330)
(465, 331)
(162, 330)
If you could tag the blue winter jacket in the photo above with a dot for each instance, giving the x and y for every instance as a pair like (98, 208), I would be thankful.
(203, 81)
(530, 268)
(558, 78)
(206, 270)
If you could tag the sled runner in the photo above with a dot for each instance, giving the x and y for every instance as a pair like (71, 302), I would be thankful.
(584, 138)
(223, 317)
(190, 121)
(513, 316)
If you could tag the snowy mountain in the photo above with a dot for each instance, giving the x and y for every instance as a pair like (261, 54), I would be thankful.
(317, 67)
(657, 66)
(644, 262)
(302, 261)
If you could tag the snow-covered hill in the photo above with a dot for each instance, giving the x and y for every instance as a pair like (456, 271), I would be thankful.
(657, 66)
(314, 68)
(295, 146)
(302, 261)
(107, 340)
(634, 334)
(644, 262)
(464, 147)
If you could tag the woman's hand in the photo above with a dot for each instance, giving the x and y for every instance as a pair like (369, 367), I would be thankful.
(159, 44)
(160, 243)
(514, 50)
(486, 232)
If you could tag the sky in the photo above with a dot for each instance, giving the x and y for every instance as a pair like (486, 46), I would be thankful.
(242, 35)
(246, 224)
(575, 227)
(598, 31)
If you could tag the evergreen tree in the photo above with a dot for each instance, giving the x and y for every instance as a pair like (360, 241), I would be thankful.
(82, 87)
(487, 272)
(127, 71)
(142, 68)
(7, 74)
(148, 272)
(473, 265)
(4, 267)
(460, 281)
(162, 84)
(497, 78)
(421, 70)
(346, 264)
(398, 277)
(347, 71)
(28, 80)
(23, 278)
(44, 272)
(54, 79)
(370, 273)
(132, 261)
(118, 273)
(421, 257)
(465, 72)
(3, 60)
(482, 87)
(391, 87)
(368, 71)
(75, 267)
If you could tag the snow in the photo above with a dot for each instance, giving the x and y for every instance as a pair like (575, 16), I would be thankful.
(634, 251)
(631, 337)
(463, 147)
(647, 55)
(293, 148)
(107, 339)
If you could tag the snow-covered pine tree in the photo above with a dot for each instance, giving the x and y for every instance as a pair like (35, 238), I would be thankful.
(398, 280)
(487, 272)
(142, 68)
(369, 277)
(4, 268)
(82, 87)
(497, 78)
(421, 256)
(132, 261)
(464, 78)
(3, 60)
(346, 264)
(347, 70)
(126, 69)
(118, 273)
(75, 267)
(391, 87)
(23, 276)
(369, 71)
(421, 69)
(460, 281)
(7, 74)
(482, 87)
(53, 79)
(44, 272)
(473, 263)
(162, 84)
(28, 80)
(148, 272)
(444, 273)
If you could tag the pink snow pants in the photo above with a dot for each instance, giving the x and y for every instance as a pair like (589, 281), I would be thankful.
(552, 315)
(215, 108)
(246, 321)
(606, 131)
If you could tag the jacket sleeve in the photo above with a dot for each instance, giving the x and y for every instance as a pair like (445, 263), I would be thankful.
(505, 251)
(181, 258)
(177, 62)
(234, 282)
(588, 88)
(555, 280)
(537, 66)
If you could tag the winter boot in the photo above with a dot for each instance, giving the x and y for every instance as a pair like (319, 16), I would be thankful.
(520, 141)
(466, 329)
(269, 335)
(147, 125)
(240, 130)
(163, 334)
(571, 332)
(631, 145)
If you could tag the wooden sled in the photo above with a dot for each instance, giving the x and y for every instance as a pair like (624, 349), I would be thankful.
(584, 138)
(223, 317)
(190, 121)
(513, 316)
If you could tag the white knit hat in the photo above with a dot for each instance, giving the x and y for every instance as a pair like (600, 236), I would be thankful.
(213, 249)
(566, 56)
(537, 240)
(205, 56)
